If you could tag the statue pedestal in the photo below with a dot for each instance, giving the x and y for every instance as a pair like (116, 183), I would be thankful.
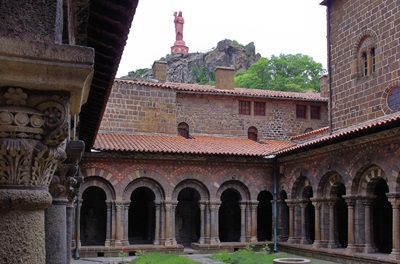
(179, 47)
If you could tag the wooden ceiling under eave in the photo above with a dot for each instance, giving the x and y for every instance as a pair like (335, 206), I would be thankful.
(107, 32)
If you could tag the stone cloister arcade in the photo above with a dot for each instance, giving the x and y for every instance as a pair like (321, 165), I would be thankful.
(141, 211)
(358, 214)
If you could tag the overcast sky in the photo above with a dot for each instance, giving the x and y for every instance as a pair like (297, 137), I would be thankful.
(275, 27)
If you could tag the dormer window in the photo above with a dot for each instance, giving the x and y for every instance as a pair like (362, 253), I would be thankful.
(183, 130)
(252, 133)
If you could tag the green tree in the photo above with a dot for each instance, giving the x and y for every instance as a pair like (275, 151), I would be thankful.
(296, 73)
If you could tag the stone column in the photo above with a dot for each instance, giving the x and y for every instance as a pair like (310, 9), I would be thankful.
(202, 222)
(118, 223)
(214, 236)
(207, 222)
(243, 222)
(168, 227)
(162, 223)
(254, 222)
(125, 221)
(108, 225)
(113, 221)
(332, 222)
(317, 205)
(351, 201)
(77, 223)
(157, 224)
(394, 199)
(291, 206)
(303, 229)
(173, 207)
(70, 210)
(367, 201)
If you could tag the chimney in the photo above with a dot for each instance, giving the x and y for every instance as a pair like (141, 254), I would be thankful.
(323, 86)
(224, 78)
(160, 70)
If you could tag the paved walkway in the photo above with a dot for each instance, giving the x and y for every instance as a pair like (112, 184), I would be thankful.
(201, 258)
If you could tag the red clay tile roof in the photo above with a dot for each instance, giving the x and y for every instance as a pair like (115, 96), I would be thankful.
(245, 92)
(200, 145)
(370, 126)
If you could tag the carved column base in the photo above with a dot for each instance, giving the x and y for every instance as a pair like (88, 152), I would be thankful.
(316, 244)
(369, 249)
(22, 224)
(351, 248)
(395, 254)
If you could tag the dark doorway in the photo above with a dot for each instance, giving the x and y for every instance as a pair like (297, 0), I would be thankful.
(229, 216)
(341, 216)
(141, 216)
(283, 217)
(93, 217)
(264, 216)
(310, 215)
(187, 217)
(382, 218)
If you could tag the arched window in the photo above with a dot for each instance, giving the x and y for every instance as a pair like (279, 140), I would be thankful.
(183, 130)
(252, 133)
(367, 56)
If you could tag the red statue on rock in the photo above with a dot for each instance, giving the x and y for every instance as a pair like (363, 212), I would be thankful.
(179, 45)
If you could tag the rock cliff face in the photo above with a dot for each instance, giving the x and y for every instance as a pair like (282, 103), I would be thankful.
(199, 67)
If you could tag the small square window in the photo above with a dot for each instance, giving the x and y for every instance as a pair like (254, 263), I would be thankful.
(301, 111)
(244, 108)
(259, 108)
(315, 112)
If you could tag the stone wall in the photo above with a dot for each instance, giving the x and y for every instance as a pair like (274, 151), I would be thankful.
(137, 109)
(354, 26)
(220, 115)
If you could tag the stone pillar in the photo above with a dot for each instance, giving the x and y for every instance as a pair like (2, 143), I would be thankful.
(367, 201)
(291, 206)
(157, 224)
(214, 236)
(254, 222)
(168, 227)
(118, 223)
(394, 199)
(70, 210)
(303, 229)
(113, 222)
(108, 224)
(208, 224)
(77, 222)
(173, 207)
(243, 222)
(163, 224)
(202, 222)
(41, 84)
(317, 205)
(125, 222)
(351, 201)
(332, 222)
(56, 231)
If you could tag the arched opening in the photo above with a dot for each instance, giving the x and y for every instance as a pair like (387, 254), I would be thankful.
(341, 216)
(283, 217)
(264, 216)
(382, 218)
(183, 130)
(252, 133)
(229, 216)
(93, 217)
(141, 224)
(310, 215)
(187, 217)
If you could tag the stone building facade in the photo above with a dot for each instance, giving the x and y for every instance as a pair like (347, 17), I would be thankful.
(337, 176)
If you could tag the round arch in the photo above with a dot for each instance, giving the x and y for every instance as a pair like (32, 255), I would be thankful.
(328, 183)
(365, 180)
(102, 184)
(144, 182)
(237, 186)
(194, 184)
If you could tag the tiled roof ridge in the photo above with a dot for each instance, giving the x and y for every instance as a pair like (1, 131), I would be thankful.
(311, 133)
(373, 123)
(247, 92)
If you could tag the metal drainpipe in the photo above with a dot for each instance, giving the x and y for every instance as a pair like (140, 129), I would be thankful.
(275, 201)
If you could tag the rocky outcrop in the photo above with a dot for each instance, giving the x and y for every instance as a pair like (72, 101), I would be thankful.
(200, 67)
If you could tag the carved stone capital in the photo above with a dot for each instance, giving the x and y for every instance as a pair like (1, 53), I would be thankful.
(33, 129)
